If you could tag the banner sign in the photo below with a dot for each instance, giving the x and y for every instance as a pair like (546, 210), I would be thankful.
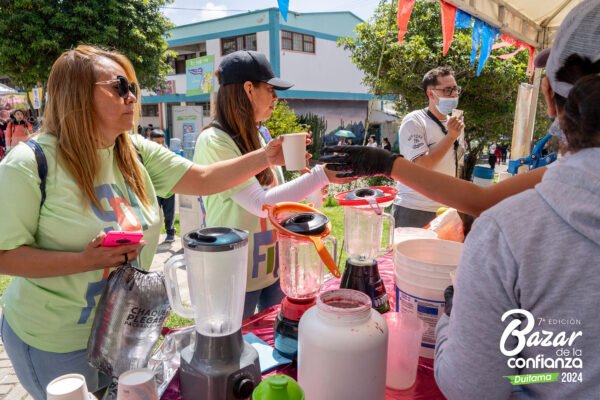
(199, 73)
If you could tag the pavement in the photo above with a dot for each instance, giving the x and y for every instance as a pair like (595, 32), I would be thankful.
(10, 389)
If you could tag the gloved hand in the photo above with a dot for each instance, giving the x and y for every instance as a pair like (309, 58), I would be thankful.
(448, 297)
(357, 161)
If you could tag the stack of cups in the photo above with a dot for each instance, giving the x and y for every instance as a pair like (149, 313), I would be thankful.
(137, 384)
(404, 345)
(68, 387)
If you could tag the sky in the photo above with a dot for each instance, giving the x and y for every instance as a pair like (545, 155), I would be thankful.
(183, 12)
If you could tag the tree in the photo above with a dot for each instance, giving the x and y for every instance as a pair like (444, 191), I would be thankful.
(33, 33)
(283, 120)
(318, 126)
(488, 101)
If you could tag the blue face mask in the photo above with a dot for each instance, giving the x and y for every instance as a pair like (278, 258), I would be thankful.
(556, 131)
(445, 105)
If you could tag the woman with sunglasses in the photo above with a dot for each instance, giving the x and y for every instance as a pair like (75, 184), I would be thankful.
(99, 178)
(246, 98)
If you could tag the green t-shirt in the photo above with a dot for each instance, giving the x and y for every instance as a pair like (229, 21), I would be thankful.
(56, 314)
(221, 210)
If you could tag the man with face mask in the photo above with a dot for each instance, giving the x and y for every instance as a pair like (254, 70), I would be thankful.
(429, 138)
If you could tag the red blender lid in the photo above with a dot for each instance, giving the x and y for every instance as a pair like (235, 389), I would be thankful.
(365, 196)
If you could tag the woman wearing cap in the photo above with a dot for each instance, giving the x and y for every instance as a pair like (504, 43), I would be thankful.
(95, 183)
(247, 97)
(525, 307)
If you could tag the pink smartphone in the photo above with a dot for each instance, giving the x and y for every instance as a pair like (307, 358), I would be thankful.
(119, 238)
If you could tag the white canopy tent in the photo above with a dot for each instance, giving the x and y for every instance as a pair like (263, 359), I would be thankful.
(534, 22)
(6, 90)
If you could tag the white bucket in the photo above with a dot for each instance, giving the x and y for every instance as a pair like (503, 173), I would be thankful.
(423, 268)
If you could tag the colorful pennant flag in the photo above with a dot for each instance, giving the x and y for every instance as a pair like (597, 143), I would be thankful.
(283, 8)
(463, 20)
(405, 8)
(483, 37)
(448, 20)
(508, 39)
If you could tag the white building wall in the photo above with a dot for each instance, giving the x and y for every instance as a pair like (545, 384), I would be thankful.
(335, 112)
(213, 47)
(330, 69)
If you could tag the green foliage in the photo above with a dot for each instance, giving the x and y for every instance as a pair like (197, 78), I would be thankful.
(34, 33)
(318, 126)
(283, 120)
(488, 101)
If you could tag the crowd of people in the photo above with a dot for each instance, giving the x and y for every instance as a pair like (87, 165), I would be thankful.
(15, 129)
(539, 230)
(371, 142)
(497, 154)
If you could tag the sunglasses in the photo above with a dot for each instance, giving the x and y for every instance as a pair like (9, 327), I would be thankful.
(449, 90)
(123, 86)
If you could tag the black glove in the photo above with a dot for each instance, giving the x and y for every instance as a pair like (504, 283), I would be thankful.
(448, 296)
(357, 161)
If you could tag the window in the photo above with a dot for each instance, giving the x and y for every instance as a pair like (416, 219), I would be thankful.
(235, 43)
(297, 42)
(149, 110)
(178, 64)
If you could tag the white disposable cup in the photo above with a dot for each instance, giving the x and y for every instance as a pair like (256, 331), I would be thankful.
(68, 387)
(404, 344)
(294, 150)
(137, 384)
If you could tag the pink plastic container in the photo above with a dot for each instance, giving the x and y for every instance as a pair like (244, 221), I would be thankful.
(404, 344)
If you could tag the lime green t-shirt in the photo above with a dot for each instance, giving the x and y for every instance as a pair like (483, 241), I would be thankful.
(221, 210)
(56, 314)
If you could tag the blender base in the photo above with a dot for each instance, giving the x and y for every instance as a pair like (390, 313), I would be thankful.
(219, 368)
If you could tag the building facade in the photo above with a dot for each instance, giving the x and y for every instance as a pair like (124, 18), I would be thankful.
(302, 50)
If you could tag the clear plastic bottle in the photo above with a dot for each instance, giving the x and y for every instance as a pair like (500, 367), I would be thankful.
(342, 348)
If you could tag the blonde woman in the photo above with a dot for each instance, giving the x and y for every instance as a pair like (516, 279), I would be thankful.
(96, 182)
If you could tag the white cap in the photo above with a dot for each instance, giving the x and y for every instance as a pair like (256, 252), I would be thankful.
(579, 33)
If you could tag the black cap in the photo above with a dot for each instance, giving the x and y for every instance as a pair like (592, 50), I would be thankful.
(247, 65)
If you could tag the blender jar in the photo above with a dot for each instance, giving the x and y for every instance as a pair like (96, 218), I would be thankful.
(215, 260)
(363, 221)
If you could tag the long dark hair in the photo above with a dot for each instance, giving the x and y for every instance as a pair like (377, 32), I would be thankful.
(235, 115)
(581, 110)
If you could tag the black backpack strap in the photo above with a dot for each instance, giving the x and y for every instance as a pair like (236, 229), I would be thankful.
(42, 165)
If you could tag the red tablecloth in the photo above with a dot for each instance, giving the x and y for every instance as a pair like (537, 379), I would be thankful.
(261, 325)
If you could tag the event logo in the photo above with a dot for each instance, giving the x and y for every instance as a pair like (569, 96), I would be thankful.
(519, 334)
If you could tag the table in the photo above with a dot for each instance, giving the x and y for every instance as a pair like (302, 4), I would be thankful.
(261, 325)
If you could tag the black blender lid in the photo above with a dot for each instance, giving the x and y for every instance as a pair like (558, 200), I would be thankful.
(215, 239)
(306, 223)
(364, 193)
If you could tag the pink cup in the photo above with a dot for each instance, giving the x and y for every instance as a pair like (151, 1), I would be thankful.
(404, 344)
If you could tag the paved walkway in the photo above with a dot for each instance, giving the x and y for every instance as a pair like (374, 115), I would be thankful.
(10, 389)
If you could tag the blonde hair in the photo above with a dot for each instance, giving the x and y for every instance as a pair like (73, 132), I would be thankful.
(70, 116)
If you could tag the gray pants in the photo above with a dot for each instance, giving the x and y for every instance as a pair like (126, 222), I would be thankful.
(407, 217)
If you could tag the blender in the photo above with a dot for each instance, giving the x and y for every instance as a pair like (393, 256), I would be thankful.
(219, 364)
(301, 232)
(363, 231)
